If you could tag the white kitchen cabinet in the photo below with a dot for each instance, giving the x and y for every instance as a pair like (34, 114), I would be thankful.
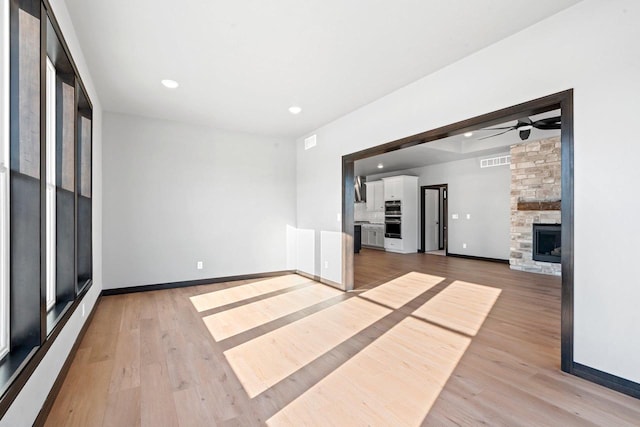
(393, 245)
(373, 235)
(364, 236)
(404, 189)
(375, 196)
(393, 188)
(379, 236)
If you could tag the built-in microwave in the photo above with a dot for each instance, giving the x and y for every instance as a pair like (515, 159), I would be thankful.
(393, 228)
(393, 208)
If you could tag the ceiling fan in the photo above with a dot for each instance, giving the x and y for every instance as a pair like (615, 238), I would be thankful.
(525, 125)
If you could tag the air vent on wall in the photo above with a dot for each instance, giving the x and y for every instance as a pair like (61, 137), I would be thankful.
(310, 142)
(495, 161)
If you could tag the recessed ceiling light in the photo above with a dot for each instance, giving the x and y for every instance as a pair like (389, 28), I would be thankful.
(171, 84)
(294, 109)
(380, 165)
(468, 134)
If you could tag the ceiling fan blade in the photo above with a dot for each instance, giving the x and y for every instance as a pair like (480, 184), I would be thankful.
(496, 134)
(501, 128)
(524, 134)
(549, 123)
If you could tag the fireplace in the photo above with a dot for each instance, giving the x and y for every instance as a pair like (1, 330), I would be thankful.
(547, 242)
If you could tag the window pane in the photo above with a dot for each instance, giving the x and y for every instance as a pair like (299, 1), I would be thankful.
(84, 200)
(65, 194)
(28, 158)
(51, 185)
(65, 146)
(25, 193)
(85, 157)
(4, 180)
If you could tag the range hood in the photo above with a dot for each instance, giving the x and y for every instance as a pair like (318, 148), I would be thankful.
(361, 191)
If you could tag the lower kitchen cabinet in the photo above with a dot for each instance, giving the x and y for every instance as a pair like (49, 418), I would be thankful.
(373, 235)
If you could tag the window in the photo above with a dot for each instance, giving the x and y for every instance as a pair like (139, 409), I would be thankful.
(45, 188)
(51, 185)
(60, 140)
(83, 184)
(4, 180)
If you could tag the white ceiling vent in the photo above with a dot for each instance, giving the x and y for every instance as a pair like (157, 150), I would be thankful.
(495, 161)
(310, 142)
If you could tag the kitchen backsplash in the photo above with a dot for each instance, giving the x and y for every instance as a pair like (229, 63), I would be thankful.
(361, 214)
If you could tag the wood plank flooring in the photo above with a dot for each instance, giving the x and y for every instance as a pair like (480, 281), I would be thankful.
(424, 340)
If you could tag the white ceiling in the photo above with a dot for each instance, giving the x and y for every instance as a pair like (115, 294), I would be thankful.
(454, 148)
(242, 63)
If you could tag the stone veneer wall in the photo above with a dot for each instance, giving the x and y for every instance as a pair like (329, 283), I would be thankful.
(535, 177)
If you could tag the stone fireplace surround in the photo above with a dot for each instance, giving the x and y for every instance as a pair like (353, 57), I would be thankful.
(535, 198)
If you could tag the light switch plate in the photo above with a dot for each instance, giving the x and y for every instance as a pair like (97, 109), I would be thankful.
(454, 216)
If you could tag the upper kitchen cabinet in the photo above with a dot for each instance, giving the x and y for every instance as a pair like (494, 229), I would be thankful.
(393, 187)
(375, 196)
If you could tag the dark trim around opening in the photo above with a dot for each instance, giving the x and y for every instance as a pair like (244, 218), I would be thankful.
(607, 380)
(443, 219)
(561, 100)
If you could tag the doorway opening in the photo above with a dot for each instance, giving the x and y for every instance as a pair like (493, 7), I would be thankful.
(434, 218)
(562, 101)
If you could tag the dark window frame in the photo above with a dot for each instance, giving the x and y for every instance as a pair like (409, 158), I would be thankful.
(17, 367)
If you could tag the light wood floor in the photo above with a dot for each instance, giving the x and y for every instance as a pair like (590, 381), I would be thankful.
(424, 339)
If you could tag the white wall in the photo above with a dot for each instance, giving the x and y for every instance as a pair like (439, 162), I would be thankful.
(482, 193)
(27, 404)
(177, 193)
(591, 47)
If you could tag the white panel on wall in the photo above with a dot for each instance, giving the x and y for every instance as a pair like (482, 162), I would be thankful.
(331, 260)
(306, 251)
(292, 248)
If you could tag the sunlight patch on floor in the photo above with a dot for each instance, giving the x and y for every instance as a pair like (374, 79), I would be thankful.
(397, 378)
(393, 381)
(397, 292)
(461, 306)
(223, 297)
(272, 357)
(243, 318)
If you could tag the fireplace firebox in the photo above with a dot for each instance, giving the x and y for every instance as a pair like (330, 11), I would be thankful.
(547, 243)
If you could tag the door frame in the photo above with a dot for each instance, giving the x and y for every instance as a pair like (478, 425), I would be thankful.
(443, 216)
(560, 100)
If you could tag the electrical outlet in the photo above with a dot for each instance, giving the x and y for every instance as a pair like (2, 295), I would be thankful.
(339, 217)
(468, 216)
(326, 264)
(454, 216)
(464, 246)
(199, 265)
